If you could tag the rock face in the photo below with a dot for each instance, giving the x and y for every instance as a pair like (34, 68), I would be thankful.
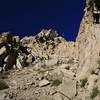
(89, 39)
(51, 68)
(68, 88)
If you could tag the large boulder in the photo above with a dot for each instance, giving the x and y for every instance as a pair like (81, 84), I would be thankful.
(44, 83)
(68, 87)
(51, 62)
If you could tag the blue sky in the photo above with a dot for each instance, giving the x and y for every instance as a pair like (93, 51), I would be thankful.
(29, 17)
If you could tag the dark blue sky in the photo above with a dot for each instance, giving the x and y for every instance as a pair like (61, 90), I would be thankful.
(29, 17)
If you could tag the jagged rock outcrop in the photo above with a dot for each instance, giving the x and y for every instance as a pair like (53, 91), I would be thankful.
(42, 45)
(8, 50)
(12, 53)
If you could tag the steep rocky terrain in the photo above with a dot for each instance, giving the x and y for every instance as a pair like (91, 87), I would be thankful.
(47, 67)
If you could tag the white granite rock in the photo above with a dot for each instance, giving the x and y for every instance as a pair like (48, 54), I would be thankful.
(44, 83)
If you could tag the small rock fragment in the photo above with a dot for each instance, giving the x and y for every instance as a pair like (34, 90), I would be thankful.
(44, 83)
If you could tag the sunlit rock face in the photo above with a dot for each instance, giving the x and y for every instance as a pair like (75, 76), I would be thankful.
(89, 37)
(44, 46)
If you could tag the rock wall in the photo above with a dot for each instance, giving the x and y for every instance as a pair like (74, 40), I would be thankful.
(88, 41)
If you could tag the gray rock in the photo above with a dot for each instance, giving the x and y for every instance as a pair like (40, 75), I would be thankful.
(51, 62)
(83, 98)
(14, 66)
(97, 97)
(44, 97)
(68, 87)
(37, 66)
(49, 77)
(68, 73)
(18, 64)
(3, 50)
(6, 59)
(13, 84)
(56, 74)
(44, 83)
(57, 96)
(4, 67)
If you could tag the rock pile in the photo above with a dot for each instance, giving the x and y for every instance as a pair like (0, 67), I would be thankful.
(42, 45)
